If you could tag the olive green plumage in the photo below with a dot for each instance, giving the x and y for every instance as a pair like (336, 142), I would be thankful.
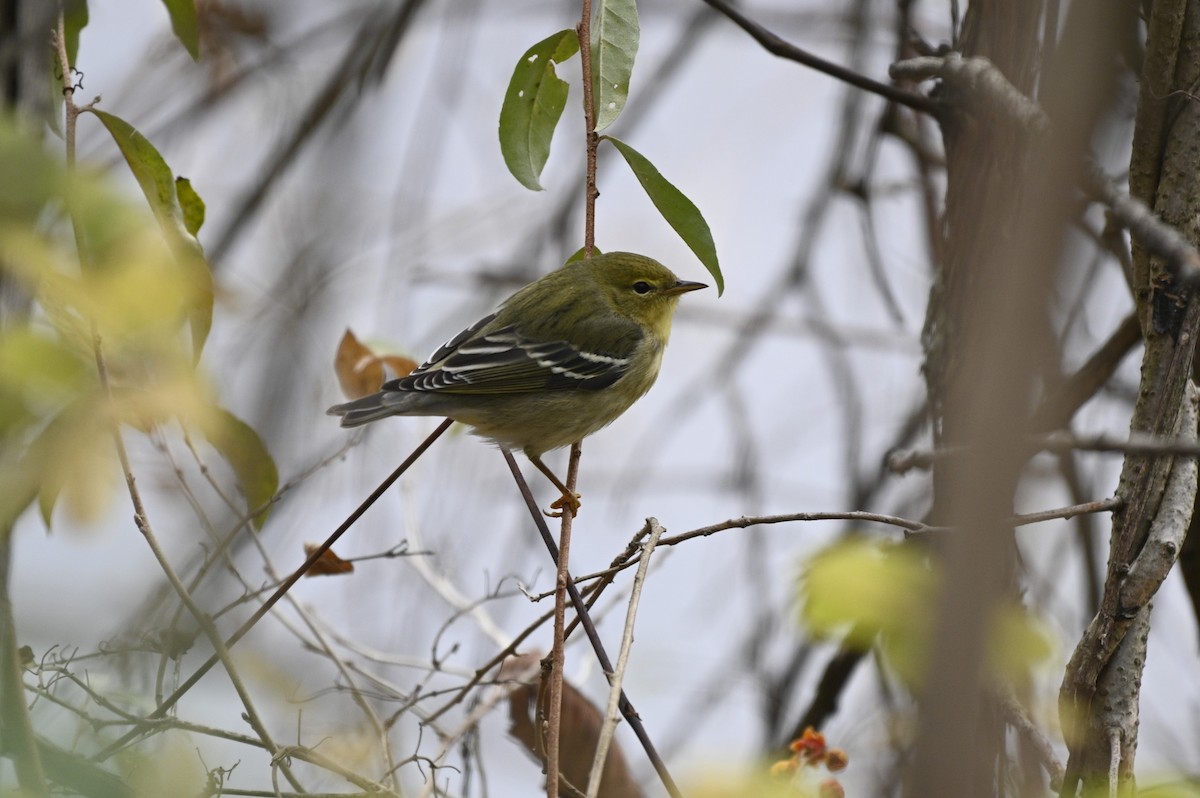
(560, 358)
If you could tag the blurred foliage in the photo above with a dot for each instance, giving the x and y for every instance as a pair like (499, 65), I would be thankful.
(758, 784)
(1173, 789)
(100, 276)
(179, 211)
(883, 594)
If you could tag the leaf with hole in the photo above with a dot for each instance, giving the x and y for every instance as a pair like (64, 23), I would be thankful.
(615, 34)
(533, 104)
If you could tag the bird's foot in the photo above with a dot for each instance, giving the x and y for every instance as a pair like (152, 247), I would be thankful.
(567, 502)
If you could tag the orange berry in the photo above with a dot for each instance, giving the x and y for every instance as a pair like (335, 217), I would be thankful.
(836, 760)
(831, 788)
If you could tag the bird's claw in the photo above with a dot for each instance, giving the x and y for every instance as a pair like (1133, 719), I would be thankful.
(566, 502)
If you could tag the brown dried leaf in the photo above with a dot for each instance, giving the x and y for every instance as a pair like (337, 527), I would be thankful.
(359, 370)
(579, 733)
(328, 564)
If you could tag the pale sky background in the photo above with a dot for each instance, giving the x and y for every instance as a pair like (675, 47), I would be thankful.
(399, 210)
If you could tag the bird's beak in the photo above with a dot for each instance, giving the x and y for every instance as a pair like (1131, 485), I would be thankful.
(683, 286)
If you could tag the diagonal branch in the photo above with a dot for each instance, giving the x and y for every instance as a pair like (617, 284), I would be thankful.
(784, 49)
(627, 711)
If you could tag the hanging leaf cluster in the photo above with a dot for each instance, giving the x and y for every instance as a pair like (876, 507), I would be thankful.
(537, 96)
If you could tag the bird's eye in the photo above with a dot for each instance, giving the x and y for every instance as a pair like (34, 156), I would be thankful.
(641, 287)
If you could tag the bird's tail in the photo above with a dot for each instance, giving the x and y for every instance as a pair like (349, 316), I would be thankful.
(362, 411)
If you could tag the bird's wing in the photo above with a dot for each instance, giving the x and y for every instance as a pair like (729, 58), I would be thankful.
(502, 361)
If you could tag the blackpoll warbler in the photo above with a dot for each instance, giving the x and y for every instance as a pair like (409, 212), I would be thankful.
(558, 360)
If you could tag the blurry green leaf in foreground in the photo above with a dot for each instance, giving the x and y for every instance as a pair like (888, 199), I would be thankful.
(178, 215)
(247, 455)
(870, 591)
(74, 457)
(679, 211)
(56, 422)
(712, 783)
(886, 593)
(29, 177)
(533, 104)
(169, 769)
(1183, 788)
(615, 34)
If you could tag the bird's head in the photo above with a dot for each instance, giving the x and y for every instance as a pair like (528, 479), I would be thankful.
(640, 288)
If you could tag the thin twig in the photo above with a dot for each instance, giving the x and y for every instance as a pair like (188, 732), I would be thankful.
(583, 31)
(589, 628)
(323, 647)
(1063, 441)
(777, 46)
(907, 524)
(1136, 443)
(444, 587)
(609, 728)
(985, 89)
(1146, 227)
(557, 658)
(142, 522)
(557, 653)
(242, 630)
(1016, 716)
(140, 517)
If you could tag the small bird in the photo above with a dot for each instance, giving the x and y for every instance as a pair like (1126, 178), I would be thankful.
(558, 360)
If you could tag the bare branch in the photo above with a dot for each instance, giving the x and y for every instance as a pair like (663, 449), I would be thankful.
(618, 676)
(777, 46)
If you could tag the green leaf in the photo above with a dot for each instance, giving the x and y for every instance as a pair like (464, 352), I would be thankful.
(679, 211)
(579, 255)
(148, 166)
(615, 35)
(252, 464)
(191, 205)
(75, 19)
(533, 104)
(159, 185)
(884, 595)
(185, 24)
